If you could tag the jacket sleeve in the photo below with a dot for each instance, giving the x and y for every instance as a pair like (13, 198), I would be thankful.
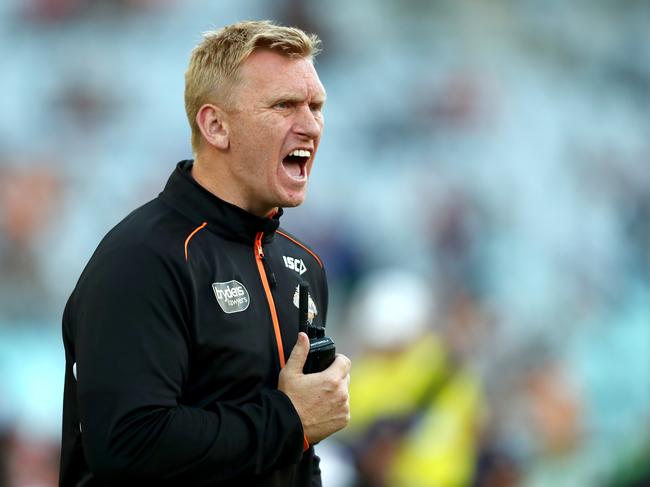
(316, 474)
(132, 353)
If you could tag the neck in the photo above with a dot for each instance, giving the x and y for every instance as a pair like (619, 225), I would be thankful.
(212, 175)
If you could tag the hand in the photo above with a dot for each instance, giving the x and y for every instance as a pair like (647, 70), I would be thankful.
(321, 399)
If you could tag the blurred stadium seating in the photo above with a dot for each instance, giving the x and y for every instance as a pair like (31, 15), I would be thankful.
(500, 149)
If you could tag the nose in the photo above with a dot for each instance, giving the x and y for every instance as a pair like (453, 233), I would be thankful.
(308, 122)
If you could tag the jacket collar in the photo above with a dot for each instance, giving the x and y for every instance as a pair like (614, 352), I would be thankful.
(195, 202)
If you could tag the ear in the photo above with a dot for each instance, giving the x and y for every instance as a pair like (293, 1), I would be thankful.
(213, 123)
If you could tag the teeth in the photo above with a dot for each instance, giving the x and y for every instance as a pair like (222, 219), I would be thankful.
(300, 153)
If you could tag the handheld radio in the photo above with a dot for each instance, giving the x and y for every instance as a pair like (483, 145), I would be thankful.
(322, 350)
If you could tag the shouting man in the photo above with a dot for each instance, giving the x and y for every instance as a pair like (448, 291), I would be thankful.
(178, 333)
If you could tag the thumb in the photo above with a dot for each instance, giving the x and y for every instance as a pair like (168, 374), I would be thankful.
(299, 354)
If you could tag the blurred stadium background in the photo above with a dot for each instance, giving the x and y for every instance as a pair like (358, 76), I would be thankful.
(481, 200)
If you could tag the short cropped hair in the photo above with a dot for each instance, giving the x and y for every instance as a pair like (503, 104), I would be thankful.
(216, 60)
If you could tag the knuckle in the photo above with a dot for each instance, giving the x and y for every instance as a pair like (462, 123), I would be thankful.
(344, 404)
(344, 396)
(345, 361)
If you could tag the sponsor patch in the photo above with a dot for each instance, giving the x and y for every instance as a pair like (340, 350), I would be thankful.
(232, 296)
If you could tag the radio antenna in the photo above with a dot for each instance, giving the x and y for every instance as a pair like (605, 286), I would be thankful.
(303, 307)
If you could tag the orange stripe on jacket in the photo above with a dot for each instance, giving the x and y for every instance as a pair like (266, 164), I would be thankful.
(189, 237)
(301, 245)
(259, 253)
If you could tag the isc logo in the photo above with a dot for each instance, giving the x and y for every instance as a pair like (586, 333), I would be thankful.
(295, 264)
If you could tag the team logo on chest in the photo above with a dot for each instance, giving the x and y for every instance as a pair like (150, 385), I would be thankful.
(313, 312)
(295, 264)
(232, 296)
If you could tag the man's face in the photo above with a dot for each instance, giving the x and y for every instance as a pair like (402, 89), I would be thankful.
(275, 127)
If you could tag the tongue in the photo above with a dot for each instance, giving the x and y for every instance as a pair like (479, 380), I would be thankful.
(293, 168)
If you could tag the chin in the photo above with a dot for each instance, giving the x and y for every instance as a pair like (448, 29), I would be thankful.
(292, 202)
(290, 198)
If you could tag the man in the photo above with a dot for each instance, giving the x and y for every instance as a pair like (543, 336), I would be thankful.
(177, 333)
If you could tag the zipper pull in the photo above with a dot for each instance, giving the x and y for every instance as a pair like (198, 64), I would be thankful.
(269, 273)
(258, 245)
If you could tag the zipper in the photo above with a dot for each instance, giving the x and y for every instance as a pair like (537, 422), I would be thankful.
(267, 268)
(262, 266)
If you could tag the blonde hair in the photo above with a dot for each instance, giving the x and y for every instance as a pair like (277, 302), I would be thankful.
(215, 61)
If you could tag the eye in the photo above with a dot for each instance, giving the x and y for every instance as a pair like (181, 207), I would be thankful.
(282, 105)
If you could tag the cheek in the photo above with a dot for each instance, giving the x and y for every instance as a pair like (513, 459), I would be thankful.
(264, 140)
(259, 144)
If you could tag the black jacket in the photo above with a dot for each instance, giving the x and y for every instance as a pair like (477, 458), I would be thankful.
(174, 337)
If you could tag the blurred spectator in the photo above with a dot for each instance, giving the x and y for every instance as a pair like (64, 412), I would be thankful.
(416, 411)
(457, 229)
(29, 198)
(32, 463)
(553, 410)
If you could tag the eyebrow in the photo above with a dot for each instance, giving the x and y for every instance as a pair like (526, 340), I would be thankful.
(298, 99)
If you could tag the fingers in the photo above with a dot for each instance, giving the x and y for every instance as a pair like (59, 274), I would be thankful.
(322, 399)
(340, 368)
(298, 355)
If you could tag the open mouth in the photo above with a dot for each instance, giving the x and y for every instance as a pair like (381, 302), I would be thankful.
(296, 162)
